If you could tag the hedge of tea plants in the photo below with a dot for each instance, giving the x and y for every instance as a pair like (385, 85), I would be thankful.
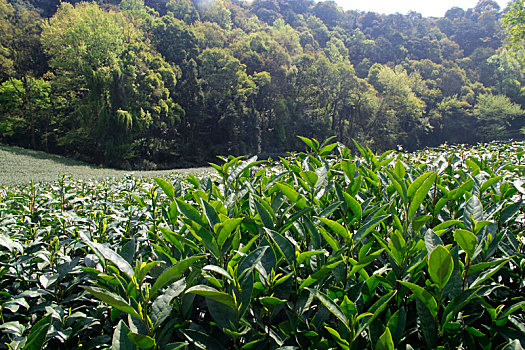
(321, 250)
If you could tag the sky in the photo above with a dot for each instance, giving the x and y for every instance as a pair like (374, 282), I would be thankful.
(434, 8)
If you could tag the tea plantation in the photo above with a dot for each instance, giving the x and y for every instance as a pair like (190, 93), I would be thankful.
(321, 250)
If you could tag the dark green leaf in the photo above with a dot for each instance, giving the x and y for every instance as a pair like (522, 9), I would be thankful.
(426, 298)
(331, 306)
(37, 335)
(161, 308)
(121, 341)
(113, 300)
(369, 226)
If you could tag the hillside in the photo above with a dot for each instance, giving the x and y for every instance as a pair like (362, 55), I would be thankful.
(134, 84)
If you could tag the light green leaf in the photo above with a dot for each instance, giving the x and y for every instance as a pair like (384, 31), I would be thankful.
(385, 342)
(292, 195)
(306, 255)
(223, 230)
(214, 294)
(166, 187)
(173, 273)
(142, 341)
(336, 227)
(440, 266)
(310, 177)
(466, 240)
(420, 194)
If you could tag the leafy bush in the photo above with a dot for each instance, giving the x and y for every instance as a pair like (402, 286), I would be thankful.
(320, 250)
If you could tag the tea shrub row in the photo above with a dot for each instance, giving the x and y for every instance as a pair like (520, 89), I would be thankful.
(321, 250)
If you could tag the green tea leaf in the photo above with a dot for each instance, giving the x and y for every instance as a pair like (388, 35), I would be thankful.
(432, 240)
(466, 240)
(310, 143)
(142, 341)
(426, 298)
(223, 230)
(286, 248)
(110, 255)
(336, 227)
(369, 226)
(323, 271)
(292, 195)
(420, 194)
(242, 167)
(113, 300)
(189, 211)
(487, 274)
(166, 187)
(440, 266)
(161, 308)
(264, 215)
(310, 177)
(373, 312)
(396, 324)
(354, 205)
(326, 150)
(385, 342)
(473, 210)
(214, 294)
(37, 335)
(331, 306)
(329, 239)
(173, 273)
(210, 213)
(343, 344)
(306, 255)
(121, 341)
(271, 301)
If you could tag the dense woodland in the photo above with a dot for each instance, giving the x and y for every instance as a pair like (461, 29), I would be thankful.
(171, 83)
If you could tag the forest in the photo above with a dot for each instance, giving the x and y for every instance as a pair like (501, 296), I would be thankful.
(158, 84)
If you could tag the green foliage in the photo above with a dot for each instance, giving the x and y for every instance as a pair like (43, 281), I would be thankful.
(162, 83)
(321, 250)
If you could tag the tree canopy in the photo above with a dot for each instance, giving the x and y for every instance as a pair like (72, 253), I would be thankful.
(181, 81)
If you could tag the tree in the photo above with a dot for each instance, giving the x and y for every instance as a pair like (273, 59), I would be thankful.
(6, 60)
(226, 87)
(113, 83)
(514, 24)
(402, 120)
(495, 115)
(183, 10)
(24, 109)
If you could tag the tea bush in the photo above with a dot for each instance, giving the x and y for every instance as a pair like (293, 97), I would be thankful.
(321, 250)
